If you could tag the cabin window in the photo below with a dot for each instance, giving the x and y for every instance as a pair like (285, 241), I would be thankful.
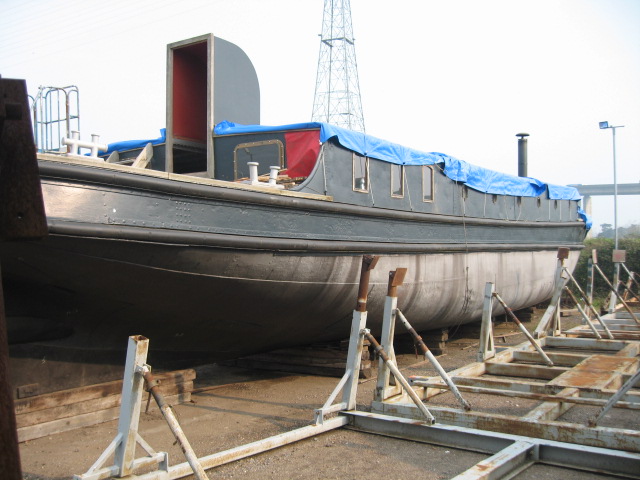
(360, 173)
(427, 184)
(267, 153)
(494, 198)
(539, 202)
(397, 180)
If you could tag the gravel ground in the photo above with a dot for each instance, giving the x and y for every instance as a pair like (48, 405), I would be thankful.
(239, 406)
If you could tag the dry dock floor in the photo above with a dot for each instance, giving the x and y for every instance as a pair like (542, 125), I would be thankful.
(235, 406)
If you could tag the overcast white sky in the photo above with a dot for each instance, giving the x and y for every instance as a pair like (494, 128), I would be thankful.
(460, 77)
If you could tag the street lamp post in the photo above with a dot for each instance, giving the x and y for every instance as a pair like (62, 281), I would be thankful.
(605, 125)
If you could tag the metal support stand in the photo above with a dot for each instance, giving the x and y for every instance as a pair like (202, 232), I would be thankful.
(512, 452)
(487, 347)
(172, 421)
(383, 387)
(523, 329)
(630, 279)
(387, 359)
(618, 257)
(585, 317)
(550, 321)
(632, 276)
(434, 362)
(391, 365)
(614, 291)
(124, 444)
(589, 289)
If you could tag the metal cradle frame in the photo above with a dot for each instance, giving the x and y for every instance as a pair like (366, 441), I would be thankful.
(458, 428)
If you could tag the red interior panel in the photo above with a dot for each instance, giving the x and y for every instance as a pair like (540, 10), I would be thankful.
(190, 92)
(302, 151)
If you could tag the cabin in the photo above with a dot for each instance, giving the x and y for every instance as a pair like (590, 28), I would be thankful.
(213, 132)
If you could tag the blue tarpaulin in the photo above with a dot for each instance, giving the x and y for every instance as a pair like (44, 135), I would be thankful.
(131, 144)
(478, 178)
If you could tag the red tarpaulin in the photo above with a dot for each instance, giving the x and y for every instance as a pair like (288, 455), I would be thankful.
(302, 152)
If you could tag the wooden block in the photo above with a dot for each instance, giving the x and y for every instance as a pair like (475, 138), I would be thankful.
(65, 424)
(88, 406)
(84, 420)
(81, 394)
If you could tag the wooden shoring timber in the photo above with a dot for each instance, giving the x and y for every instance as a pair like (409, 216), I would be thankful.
(65, 410)
(85, 420)
(93, 405)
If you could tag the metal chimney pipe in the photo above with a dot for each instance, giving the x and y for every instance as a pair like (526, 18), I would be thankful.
(522, 154)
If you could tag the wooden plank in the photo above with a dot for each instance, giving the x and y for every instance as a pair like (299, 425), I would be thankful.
(65, 424)
(528, 371)
(88, 406)
(144, 158)
(85, 420)
(559, 359)
(584, 343)
(75, 395)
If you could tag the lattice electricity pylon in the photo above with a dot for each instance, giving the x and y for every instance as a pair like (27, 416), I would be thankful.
(337, 95)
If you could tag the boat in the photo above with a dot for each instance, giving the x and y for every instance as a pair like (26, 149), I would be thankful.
(253, 239)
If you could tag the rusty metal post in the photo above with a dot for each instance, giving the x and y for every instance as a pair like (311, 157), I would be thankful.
(172, 421)
(369, 262)
(399, 377)
(433, 360)
(523, 329)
